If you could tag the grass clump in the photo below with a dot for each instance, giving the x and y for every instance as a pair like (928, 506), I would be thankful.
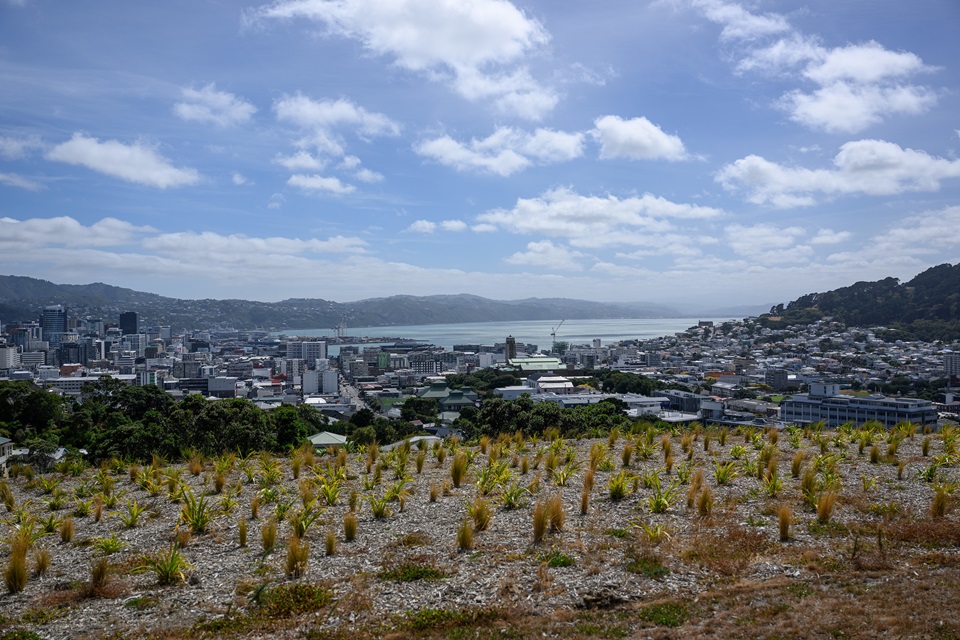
(298, 553)
(481, 513)
(465, 535)
(350, 524)
(666, 614)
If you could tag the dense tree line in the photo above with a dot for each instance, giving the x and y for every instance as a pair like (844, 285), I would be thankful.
(114, 419)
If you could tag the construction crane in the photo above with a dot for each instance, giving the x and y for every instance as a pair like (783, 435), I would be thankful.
(553, 335)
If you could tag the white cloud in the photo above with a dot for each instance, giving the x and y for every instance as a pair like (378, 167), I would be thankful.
(15, 180)
(326, 115)
(829, 236)
(423, 226)
(135, 162)
(589, 221)
(546, 254)
(209, 106)
(872, 167)
(350, 162)
(474, 156)
(740, 24)
(428, 226)
(320, 183)
(366, 175)
(453, 225)
(220, 246)
(504, 152)
(844, 107)
(478, 47)
(767, 243)
(16, 148)
(637, 138)
(299, 161)
(34, 233)
(855, 86)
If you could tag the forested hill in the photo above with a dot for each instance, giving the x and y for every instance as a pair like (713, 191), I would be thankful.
(22, 298)
(925, 308)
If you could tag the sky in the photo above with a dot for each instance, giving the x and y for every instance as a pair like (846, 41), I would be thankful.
(668, 151)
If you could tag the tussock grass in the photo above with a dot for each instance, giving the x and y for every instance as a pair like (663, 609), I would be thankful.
(350, 524)
(465, 535)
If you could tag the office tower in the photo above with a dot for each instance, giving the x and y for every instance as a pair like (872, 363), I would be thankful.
(129, 323)
(53, 322)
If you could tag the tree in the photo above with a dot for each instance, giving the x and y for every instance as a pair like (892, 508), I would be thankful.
(289, 426)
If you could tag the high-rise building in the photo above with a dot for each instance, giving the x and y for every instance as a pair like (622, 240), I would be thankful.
(511, 351)
(129, 322)
(53, 322)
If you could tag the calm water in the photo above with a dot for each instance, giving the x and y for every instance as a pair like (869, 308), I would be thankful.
(529, 331)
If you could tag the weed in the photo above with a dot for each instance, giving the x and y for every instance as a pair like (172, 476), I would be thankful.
(557, 558)
(286, 600)
(665, 614)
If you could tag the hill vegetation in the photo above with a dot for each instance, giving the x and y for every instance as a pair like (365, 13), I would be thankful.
(22, 298)
(925, 308)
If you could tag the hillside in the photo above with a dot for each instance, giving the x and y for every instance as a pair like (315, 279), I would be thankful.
(22, 298)
(926, 308)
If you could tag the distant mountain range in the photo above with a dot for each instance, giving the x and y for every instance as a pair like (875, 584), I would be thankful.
(926, 308)
(22, 298)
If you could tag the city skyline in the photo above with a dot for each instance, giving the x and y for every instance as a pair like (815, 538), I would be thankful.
(733, 153)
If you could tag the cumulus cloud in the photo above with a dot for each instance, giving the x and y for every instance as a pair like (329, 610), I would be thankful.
(209, 106)
(477, 47)
(16, 180)
(137, 162)
(428, 226)
(854, 86)
(637, 138)
(366, 175)
(547, 254)
(320, 183)
(453, 225)
(872, 167)
(299, 161)
(591, 221)
(327, 115)
(422, 226)
(504, 152)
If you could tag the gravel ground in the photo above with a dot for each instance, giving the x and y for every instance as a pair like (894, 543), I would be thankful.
(739, 542)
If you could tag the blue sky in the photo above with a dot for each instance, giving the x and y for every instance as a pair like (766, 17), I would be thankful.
(672, 151)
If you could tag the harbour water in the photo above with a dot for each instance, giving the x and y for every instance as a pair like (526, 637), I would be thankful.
(526, 331)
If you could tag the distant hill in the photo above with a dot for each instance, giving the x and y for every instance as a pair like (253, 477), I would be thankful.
(21, 298)
(925, 308)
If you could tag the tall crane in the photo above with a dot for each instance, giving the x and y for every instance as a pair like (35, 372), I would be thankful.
(553, 335)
